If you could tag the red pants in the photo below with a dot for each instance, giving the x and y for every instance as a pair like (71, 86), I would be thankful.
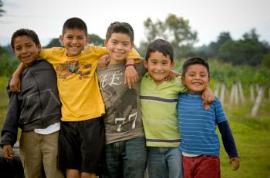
(201, 167)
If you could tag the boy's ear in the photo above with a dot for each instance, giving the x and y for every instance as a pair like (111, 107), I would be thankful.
(173, 64)
(61, 39)
(145, 63)
(88, 39)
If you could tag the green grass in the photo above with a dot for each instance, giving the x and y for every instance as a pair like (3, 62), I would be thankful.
(252, 136)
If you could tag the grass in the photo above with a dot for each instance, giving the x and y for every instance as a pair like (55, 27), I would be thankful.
(252, 136)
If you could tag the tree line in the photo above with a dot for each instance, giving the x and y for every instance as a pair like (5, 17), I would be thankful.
(248, 50)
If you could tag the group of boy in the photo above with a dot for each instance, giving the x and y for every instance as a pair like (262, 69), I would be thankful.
(139, 127)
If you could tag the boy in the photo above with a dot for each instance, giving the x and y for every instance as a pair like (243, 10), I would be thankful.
(36, 110)
(125, 144)
(158, 102)
(81, 136)
(200, 145)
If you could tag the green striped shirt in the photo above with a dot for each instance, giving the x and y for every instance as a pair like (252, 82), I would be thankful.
(158, 105)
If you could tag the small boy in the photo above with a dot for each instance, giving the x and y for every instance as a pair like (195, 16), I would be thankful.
(36, 110)
(158, 103)
(125, 143)
(81, 137)
(200, 144)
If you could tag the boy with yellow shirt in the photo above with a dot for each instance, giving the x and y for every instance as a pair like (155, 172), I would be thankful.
(81, 138)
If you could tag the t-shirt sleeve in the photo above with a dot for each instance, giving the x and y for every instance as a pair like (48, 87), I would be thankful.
(219, 113)
(134, 54)
(45, 53)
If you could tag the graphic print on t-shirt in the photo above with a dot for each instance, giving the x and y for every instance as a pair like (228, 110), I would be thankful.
(74, 67)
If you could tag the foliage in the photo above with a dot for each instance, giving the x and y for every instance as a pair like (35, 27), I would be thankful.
(248, 50)
(174, 29)
(266, 60)
(1, 8)
(8, 63)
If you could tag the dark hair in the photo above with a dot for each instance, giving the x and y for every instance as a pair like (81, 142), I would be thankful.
(74, 23)
(162, 46)
(25, 32)
(120, 27)
(193, 61)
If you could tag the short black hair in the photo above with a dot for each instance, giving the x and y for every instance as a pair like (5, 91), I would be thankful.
(75, 23)
(120, 27)
(162, 46)
(25, 32)
(193, 61)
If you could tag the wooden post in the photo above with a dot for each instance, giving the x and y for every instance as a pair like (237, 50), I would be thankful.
(258, 102)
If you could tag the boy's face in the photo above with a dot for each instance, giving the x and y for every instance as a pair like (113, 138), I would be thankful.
(158, 66)
(26, 50)
(74, 41)
(119, 45)
(196, 78)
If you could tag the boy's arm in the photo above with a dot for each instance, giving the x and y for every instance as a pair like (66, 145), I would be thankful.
(10, 127)
(131, 74)
(15, 83)
(208, 97)
(229, 144)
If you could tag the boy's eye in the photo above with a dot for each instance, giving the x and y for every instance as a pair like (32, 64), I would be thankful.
(18, 48)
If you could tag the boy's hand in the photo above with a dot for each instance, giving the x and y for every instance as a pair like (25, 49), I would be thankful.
(8, 152)
(131, 76)
(208, 97)
(172, 75)
(15, 84)
(104, 61)
(235, 163)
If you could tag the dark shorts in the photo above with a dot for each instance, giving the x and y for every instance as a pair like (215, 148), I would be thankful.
(81, 145)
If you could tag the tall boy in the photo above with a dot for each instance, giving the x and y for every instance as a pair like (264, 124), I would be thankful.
(200, 144)
(125, 142)
(36, 110)
(158, 102)
(81, 138)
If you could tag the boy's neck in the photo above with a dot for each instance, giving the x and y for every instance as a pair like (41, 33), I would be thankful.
(112, 61)
(195, 92)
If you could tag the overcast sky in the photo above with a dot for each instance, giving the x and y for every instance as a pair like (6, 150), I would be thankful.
(207, 17)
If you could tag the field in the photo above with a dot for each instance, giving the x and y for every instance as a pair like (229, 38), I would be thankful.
(252, 137)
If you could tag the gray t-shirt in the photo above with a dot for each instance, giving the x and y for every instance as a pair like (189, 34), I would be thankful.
(123, 119)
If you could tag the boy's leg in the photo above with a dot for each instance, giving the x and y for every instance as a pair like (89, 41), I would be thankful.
(31, 154)
(156, 162)
(174, 162)
(114, 161)
(49, 149)
(208, 167)
(135, 158)
(92, 136)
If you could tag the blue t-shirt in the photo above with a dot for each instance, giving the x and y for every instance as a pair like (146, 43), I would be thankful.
(198, 125)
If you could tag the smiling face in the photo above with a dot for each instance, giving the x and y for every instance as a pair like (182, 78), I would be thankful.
(196, 78)
(158, 66)
(74, 40)
(118, 45)
(26, 50)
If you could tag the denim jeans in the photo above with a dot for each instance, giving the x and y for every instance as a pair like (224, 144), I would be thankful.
(164, 163)
(126, 159)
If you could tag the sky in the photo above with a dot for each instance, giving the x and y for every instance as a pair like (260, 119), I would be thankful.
(208, 17)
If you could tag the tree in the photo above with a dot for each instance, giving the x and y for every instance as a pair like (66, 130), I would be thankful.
(174, 29)
(248, 50)
(1, 8)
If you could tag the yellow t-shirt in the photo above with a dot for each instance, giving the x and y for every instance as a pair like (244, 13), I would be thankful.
(77, 81)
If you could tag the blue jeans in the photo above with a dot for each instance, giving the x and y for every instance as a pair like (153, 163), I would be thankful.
(164, 163)
(126, 159)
